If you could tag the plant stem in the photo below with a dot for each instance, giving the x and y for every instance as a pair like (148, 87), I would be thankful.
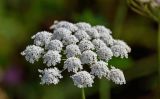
(104, 89)
(158, 58)
(83, 94)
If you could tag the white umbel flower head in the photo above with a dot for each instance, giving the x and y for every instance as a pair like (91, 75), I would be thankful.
(86, 45)
(73, 64)
(60, 33)
(100, 69)
(70, 40)
(93, 33)
(50, 76)
(107, 38)
(64, 24)
(82, 79)
(42, 38)
(122, 43)
(98, 43)
(72, 50)
(88, 57)
(102, 29)
(55, 45)
(81, 34)
(117, 76)
(32, 53)
(105, 53)
(52, 58)
(83, 25)
(119, 51)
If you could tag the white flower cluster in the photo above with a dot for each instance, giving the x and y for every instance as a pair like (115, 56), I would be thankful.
(77, 45)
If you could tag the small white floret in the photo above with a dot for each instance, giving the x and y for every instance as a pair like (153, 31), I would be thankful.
(104, 53)
(61, 33)
(117, 76)
(83, 25)
(42, 38)
(88, 57)
(100, 69)
(52, 58)
(82, 79)
(98, 43)
(50, 76)
(73, 64)
(86, 45)
(81, 34)
(70, 40)
(55, 45)
(32, 53)
(72, 50)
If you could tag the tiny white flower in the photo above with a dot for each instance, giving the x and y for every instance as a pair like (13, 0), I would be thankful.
(70, 40)
(64, 24)
(81, 34)
(55, 45)
(32, 53)
(93, 33)
(104, 53)
(98, 43)
(107, 38)
(52, 58)
(50, 76)
(61, 33)
(82, 79)
(73, 64)
(72, 50)
(122, 43)
(86, 45)
(42, 38)
(102, 29)
(100, 69)
(88, 57)
(117, 76)
(119, 50)
(83, 25)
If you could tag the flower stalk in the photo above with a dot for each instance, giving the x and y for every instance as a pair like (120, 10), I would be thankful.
(83, 93)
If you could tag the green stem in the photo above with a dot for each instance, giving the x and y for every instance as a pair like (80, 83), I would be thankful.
(159, 58)
(104, 89)
(83, 94)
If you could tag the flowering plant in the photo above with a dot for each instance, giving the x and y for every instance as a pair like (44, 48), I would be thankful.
(79, 45)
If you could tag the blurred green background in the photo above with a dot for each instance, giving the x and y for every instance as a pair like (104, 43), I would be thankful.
(20, 19)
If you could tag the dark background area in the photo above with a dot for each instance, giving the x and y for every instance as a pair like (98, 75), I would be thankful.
(20, 19)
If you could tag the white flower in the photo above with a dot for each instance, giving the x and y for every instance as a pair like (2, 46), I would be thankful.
(64, 24)
(102, 29)
(117, 76)
(104, 53)
(100, 69)
(72, 51)
(98, 43)
(93, 33)
(88, 57)
(50, 76)
(60, 33)
(42, 38)
(32, 53)
(52, 58)
(86, 45)
(122, 43)
(70, 40)
(73, 64)
(107, 38)
(55, 45)
(83, 25)
(119, 50)
(81, 34)
(82, 79)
